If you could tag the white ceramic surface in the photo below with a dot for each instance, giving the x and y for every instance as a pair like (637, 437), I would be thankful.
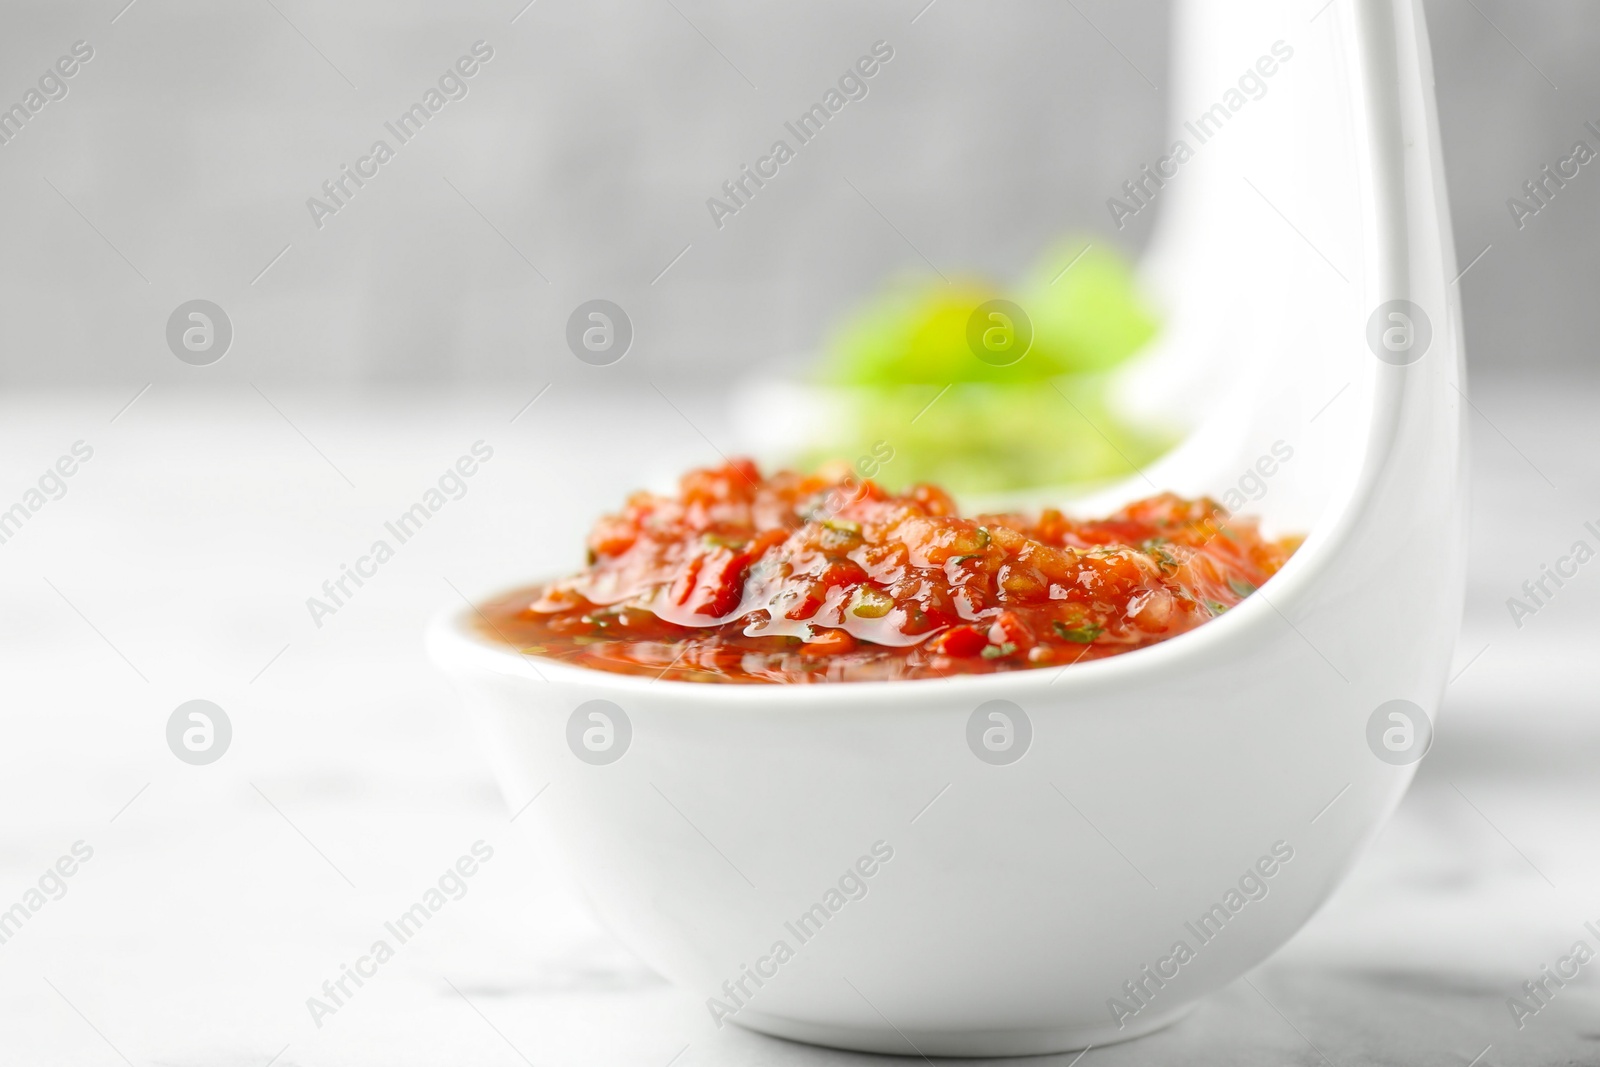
(1021, 901)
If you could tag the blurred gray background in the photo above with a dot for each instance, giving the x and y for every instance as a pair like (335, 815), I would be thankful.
(179, 163)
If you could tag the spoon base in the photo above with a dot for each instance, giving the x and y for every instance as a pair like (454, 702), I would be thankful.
(892, 1040)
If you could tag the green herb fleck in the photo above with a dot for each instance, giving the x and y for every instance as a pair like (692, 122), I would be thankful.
(996, 651)
(1080, 634)
(1241, 587)
(1154, 549)
(1215, 607)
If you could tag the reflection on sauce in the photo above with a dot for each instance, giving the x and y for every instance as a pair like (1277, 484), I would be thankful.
(810, 578)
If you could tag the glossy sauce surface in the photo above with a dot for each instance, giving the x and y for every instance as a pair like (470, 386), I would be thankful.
(809, 578)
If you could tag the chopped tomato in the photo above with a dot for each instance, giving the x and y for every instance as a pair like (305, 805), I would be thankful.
(745, 578)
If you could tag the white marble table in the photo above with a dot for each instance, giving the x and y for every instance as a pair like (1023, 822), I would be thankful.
(218, 898)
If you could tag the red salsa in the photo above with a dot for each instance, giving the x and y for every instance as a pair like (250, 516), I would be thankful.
(807, 578)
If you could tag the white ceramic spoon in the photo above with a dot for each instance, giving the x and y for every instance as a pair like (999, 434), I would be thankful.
(1043, 867)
